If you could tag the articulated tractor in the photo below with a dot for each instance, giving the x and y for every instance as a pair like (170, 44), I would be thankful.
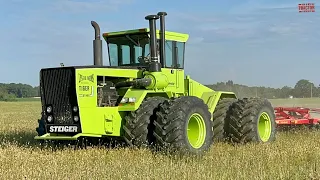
(144, 99)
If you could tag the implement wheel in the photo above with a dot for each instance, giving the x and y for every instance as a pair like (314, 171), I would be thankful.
(252, 120)
(183, 125)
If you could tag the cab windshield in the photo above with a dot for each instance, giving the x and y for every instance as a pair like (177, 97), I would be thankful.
(134, 50)
(129, 50)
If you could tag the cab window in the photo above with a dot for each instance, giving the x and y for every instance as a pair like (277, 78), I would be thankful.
(174, 54)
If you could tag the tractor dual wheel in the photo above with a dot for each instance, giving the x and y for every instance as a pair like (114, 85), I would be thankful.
(138, 125)
(252, 120)
(221, 117)
(183, 125)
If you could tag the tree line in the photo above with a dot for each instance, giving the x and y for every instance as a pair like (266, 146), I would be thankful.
(12, 91)
(303, 89)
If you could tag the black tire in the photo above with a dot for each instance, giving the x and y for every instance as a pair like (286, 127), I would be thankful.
(172, 124)
(138, 127)
(243, 124)
(41, 129)
(221, 117)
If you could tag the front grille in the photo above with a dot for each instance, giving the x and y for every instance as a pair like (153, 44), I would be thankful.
(57, 88)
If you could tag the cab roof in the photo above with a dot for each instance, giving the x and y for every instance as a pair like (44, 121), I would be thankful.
(173, 36)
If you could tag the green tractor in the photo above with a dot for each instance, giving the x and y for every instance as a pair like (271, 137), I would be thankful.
(144, 98)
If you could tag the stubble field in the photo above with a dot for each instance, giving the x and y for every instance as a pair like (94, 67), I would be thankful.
(295, 155)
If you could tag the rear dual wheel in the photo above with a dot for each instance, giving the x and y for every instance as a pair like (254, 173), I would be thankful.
(252, 120)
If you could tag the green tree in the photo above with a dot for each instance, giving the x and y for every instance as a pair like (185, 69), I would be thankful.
(303, 88)
(285, 92)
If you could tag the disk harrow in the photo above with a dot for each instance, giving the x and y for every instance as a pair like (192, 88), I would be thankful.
(290, 117)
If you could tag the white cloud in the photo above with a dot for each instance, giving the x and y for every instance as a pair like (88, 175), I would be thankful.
(73, 6)
(194, 18)
(283, 30)
(45, 39)
(261, 6)
(253, 22)
(195, 40)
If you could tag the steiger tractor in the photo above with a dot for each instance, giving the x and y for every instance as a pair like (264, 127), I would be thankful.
(144, 98)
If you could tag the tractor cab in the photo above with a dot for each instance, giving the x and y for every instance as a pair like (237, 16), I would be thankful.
(132, 48)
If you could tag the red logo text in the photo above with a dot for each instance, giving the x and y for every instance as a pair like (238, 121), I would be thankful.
(306, 7)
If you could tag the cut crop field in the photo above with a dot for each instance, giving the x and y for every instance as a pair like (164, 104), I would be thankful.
(295, 155)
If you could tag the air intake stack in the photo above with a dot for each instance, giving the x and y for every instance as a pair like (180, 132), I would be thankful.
(97, 45)
(162, 38)
(154, 66)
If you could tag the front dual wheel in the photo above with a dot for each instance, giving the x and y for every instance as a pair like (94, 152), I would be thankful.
(183, 125)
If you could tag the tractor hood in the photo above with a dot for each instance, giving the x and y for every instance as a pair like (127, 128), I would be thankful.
(107, 71)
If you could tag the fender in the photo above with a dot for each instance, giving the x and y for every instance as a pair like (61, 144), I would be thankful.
(212, 98)
(136, 96)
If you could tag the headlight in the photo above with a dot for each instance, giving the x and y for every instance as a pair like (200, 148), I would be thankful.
(50, 118)
(49, 109)
(75, 109)
(124, 100)
(76, 118)
(132, 99)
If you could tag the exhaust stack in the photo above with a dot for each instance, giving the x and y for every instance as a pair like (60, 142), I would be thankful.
(162, 37)
(154, 66)
(97, 45)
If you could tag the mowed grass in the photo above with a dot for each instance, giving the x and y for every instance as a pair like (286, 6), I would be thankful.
(295, 155)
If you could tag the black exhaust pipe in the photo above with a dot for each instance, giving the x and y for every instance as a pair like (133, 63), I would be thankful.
(154, 66)
(162, 38)
(97, 45)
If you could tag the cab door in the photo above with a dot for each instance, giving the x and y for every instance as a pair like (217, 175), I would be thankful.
(174, 63)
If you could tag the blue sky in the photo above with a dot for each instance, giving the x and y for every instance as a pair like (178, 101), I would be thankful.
(252, 42)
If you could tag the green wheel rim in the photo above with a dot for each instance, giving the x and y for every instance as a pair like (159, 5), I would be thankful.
(196, 130)
(264, 127)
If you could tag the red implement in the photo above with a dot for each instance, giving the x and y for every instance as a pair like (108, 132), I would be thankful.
(296, 116)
